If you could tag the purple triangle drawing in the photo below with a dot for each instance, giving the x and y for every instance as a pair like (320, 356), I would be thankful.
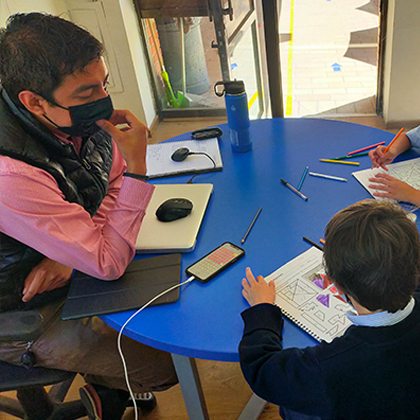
(318, 282)
(324, 299)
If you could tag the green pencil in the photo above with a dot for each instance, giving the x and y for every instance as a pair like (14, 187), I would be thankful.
(350, 156)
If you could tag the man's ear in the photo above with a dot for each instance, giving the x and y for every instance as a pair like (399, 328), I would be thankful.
(33, 102)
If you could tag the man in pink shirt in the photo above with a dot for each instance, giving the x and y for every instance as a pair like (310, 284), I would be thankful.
(72, 196)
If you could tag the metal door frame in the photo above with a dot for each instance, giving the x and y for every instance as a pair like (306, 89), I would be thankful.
(217, 14)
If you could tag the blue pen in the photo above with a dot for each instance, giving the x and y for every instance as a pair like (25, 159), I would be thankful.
(303, 178)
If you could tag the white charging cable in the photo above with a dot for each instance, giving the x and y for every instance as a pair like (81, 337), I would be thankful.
(189, 280)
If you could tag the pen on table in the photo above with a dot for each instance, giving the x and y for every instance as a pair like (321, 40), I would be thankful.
(294, 189)
(350, 156)
(339, 161)
(252, 224)
(313, 243)
(322, 241)
(336, 178)
(393, 140)
(303, 178)
(366, 148)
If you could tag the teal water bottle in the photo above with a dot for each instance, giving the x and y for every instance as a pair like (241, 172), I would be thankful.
(237, 114)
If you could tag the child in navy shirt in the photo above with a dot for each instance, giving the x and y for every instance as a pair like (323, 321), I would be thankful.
(372, 254)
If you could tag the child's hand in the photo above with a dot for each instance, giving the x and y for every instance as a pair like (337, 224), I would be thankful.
(379, 159)
(257, 291)
(390, 187)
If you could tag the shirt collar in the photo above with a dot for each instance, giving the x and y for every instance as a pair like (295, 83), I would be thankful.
(381, 319)
(76, 141)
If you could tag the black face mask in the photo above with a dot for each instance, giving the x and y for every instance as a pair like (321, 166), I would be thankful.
(84, 116)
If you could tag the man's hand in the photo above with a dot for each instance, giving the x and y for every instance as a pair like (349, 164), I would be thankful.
(257, 291)
(47, 275)
(390, 187)
(131, 139)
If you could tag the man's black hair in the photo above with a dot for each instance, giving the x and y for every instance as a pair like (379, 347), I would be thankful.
(37, 52)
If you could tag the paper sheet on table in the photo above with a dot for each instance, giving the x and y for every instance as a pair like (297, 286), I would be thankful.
(407, 171)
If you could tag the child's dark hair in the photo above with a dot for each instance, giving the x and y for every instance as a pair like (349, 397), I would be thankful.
(372, 253)
(37, 51)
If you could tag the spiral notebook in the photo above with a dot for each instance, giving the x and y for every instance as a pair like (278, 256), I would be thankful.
(308, 298)
(160, 163)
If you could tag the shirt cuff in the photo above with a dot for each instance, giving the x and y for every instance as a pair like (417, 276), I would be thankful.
(414, 136)
(263, 316)
(135, 193)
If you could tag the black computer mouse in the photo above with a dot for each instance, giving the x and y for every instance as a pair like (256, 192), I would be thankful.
(173, 209)
(180, 154)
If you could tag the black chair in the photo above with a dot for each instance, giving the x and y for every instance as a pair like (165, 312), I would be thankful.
(33, 401)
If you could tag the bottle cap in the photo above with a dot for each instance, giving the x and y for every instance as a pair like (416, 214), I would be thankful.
(234, 87)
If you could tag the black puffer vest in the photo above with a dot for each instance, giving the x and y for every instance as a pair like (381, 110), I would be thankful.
(82, 178)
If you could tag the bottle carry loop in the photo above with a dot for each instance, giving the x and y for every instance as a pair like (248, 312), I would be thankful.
(231, 87)
(218, 93)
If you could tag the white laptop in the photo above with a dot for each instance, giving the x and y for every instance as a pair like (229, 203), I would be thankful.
(178, 235)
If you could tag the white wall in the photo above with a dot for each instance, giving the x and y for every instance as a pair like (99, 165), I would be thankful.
(402, 64)
(10, 7)
(115, 23)
(132, 31)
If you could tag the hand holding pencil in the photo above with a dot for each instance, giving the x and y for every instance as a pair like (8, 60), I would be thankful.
(380, 158)
(382, 155)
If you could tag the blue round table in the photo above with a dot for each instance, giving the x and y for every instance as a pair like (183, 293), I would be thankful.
(205, 322)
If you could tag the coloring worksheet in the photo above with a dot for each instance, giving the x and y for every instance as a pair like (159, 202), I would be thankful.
(308, 298)
(407, 171)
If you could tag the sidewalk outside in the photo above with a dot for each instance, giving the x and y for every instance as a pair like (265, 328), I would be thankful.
(328, 56)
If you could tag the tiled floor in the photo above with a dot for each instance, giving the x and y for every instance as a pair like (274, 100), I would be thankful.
(328, 59)
(328, 56)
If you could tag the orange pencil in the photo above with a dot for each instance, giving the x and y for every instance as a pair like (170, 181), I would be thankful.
(393, 140)
(322, 241)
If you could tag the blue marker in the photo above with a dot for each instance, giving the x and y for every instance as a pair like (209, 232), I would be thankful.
(303, 178)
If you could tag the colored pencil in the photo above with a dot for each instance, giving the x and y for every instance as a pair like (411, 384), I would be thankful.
(252, 224)
(339, 161)
(393, 140)
(336, 178)
(294, 189)
(351, 156)
(313, 243)
(366, 148)
(322, 241)
(303, 178)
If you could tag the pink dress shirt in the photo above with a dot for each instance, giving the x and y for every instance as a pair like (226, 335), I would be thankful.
(33, 210)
